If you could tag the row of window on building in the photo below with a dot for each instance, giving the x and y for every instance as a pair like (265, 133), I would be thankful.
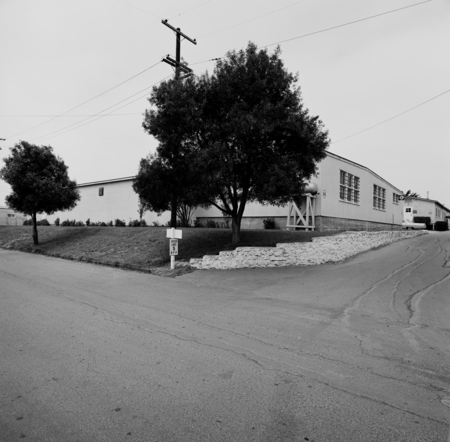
(349, 191)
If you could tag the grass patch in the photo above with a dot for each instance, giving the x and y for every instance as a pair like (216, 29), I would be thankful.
(138, 248)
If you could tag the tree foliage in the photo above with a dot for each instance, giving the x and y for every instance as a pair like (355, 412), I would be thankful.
(39, 182)
(157, 180)
(410, 194)
(243, 131)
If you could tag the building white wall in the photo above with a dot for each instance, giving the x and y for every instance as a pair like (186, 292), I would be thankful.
(425, 207)
(10, 218)
(329, 203)
(119, 200)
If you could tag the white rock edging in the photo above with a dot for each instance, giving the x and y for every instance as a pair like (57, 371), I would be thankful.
(321, 250)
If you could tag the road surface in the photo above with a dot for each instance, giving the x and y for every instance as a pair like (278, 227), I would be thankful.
(357, 351)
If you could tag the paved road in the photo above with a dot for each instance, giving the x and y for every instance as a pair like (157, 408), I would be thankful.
(357, 351)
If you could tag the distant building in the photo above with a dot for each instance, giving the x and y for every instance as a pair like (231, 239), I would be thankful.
(10, 218)
(343, 195)
(106, 201)
(424, 207)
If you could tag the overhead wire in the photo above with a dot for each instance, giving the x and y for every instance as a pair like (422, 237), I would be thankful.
(348, 23)
(139, 9)
(98, 115)
(191, 9)
(62, 116)
(84, 102)
(391, 118)
(252, 19)
(315, 32)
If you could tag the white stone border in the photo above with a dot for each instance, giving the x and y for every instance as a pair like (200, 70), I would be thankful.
(320, 250)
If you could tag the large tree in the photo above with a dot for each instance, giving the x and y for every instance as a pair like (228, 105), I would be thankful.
(245, 131)
(39, 182)
(259, 143)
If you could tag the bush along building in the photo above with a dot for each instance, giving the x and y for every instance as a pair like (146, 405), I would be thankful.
(423, 210)
(343, 195)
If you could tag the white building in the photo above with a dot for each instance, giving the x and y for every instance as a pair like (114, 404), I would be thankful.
(424, 207)
(349, 197)
(10, 218)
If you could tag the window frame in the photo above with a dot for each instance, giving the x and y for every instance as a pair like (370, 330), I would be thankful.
(349, 188)
(379, 198)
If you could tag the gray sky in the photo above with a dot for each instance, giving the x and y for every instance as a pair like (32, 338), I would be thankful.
(57, 54)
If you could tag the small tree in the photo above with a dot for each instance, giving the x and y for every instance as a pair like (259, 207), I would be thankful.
(174, 122)
(39, 182)
(411, 194)
(156, 181)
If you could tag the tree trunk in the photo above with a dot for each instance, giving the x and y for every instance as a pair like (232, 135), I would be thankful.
(236, 229)
(173, 214)
(35, 232)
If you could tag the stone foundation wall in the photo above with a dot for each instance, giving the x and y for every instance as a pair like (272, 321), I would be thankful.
(323, 223)
(328, 223)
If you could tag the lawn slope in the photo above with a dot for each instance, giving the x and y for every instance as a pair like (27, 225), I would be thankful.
(139, 248)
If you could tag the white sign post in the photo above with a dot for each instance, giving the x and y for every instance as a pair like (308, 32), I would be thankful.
(174, 236)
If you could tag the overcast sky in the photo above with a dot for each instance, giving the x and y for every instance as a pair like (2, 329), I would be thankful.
(58, 54)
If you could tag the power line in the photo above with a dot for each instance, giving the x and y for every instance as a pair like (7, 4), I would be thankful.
(101, 116)
(251, 19)
(346, 24)
(188, 10)
(315, 32)
(139, 9)
(84, 102)
(391, 118)
(62, 116)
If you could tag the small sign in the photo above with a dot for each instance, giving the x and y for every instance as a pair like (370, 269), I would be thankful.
(173, 247)
(174, 233)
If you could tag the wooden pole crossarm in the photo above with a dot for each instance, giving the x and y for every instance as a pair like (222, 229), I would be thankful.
(177, 30)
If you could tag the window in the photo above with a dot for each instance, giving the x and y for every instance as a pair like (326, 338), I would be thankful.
(408, 210)
(11, 215)
(349, 188)
(379, 197)
(395, 198)
(100, 191)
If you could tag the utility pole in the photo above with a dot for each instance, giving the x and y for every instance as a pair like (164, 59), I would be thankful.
(179, 67)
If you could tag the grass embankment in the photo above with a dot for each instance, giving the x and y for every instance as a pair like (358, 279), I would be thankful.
(137, 248)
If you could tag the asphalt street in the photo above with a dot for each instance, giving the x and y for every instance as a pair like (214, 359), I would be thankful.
(356, 351)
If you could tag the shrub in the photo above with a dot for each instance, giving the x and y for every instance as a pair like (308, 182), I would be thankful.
(142, 223)
(134, 223)
(79, 224)
(210, 223)
(43, 222)
(119, 223)
(156, 224)
(198, 223)
(269, 223)
(65, 223)
(88, 222)
(27, 222)
(109, 224)
(103, 224)
(441, 226)
(57, 222)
